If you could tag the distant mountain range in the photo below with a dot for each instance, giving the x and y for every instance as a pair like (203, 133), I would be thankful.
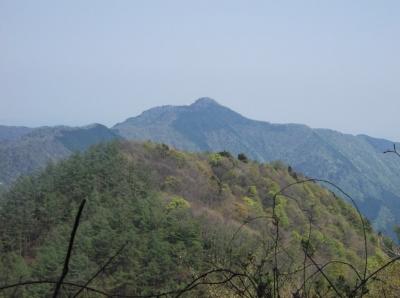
(23, 151)
(8, 133)
(356, 163)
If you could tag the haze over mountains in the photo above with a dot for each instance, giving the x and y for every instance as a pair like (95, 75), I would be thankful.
(356, 163)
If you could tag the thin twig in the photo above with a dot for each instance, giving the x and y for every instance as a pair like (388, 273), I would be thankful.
(364, 282)
(352, 201)
(41, 282)
(394, 151)
(324, 275)
(100, 270)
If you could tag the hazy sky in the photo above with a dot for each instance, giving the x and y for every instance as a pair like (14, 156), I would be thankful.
(333, 64)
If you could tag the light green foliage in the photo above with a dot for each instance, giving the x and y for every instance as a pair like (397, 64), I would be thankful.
(179, 157)
(252, 192)
(273, 188)
(215, 159)
(280, 211)
(335, 246)
(376, 260)
(171, 183)
(254, 206)
(279, 165)
(249, 202)
(178, 203)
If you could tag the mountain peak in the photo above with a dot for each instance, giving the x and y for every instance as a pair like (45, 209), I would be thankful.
(92, 126)
(205, 102)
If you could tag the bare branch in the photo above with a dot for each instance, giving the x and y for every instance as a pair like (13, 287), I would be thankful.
(70, 246)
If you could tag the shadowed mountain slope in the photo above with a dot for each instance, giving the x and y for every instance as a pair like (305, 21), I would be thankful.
(8, 133)
(34, 150)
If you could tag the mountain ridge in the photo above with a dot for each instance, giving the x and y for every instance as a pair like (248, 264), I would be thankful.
(355, 162)
(34, 150)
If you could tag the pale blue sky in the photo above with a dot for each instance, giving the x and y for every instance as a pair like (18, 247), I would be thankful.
(332, 64)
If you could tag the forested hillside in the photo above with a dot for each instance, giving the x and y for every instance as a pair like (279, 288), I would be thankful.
(356, 163)
(195, 225)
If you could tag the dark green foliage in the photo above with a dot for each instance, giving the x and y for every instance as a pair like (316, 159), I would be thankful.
(397, 231)
(242, 157)
(226, 154)
(37, 215)
(81, 139)
(176, 212)
(292, 173)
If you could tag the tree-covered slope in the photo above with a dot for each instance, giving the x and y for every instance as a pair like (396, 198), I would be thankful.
(34, 150)
(356, 163)
(177, 215)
